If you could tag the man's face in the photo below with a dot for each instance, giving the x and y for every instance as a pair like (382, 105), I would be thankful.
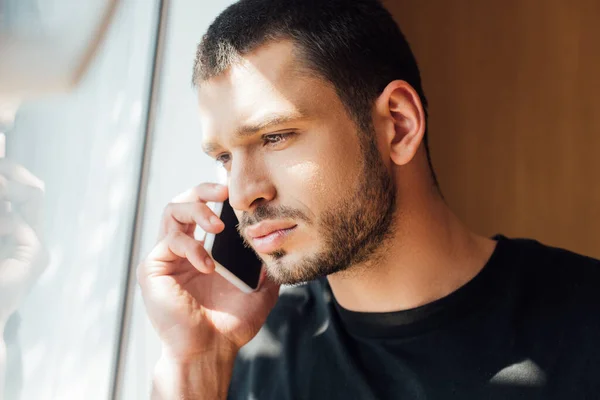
(312, 194)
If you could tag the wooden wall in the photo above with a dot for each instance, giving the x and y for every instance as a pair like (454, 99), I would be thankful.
(514, 92)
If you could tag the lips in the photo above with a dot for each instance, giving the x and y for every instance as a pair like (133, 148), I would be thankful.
(269, 236)
(266, 227)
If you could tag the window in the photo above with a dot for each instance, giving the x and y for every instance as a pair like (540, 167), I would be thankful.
(86, 146)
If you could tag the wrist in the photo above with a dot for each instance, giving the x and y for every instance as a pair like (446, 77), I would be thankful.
(220, 351)
(200, 376)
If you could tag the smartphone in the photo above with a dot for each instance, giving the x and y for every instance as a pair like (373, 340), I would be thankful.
(233, 260)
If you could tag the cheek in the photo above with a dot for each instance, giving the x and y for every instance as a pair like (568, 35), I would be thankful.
(319, 170)
(318, 183)
(305, 181)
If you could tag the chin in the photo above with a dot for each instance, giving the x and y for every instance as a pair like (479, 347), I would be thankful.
(293, 268)
(281, 267)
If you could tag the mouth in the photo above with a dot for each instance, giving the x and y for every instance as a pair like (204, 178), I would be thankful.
(267, 237)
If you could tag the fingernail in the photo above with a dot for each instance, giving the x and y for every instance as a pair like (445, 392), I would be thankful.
(214, 220)
(209, 262)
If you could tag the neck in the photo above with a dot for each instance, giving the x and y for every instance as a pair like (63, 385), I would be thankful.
(430, 255)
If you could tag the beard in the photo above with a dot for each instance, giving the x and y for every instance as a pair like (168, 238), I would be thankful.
(351, 231)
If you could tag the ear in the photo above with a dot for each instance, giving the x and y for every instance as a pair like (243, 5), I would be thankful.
(401, 116)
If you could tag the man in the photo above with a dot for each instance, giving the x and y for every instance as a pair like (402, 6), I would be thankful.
(316, 110)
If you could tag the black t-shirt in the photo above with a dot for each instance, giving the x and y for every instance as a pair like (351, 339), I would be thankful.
(526, 327)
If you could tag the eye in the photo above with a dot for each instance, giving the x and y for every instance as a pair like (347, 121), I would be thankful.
(223, 158)
(276, 138)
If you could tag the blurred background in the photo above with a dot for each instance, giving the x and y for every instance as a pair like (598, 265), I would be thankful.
(105, 127)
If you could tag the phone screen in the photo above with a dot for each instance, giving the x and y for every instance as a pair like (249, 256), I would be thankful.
(230, 251)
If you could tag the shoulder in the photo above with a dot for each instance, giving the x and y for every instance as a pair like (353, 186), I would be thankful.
(558, 311)
(558, 293)
(556, 272)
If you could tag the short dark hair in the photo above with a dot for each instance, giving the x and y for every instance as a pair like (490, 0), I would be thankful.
(354, 44)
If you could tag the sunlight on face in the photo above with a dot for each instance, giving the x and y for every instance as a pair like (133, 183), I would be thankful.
(299, 181)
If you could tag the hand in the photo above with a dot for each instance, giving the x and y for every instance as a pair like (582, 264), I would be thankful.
(194, 310)
(22, 254)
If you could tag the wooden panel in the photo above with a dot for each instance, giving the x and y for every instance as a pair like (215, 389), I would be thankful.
(514, 91)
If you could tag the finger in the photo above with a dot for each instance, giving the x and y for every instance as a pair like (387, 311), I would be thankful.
(15, 172)
(16, 230)
(27, 200)
(198, 194)
(180, 216)
(176, 246)
(23, 191)
(204, 192)
(19, 192)
(23, 258)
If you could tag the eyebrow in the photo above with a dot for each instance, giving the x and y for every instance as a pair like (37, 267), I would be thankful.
(270, 121)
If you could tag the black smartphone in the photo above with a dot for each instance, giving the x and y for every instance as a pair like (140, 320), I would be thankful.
(233, 260)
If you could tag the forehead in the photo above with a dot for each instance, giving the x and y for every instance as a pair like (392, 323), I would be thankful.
(267, 81)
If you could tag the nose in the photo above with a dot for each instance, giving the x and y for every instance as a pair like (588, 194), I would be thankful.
(250, 183)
